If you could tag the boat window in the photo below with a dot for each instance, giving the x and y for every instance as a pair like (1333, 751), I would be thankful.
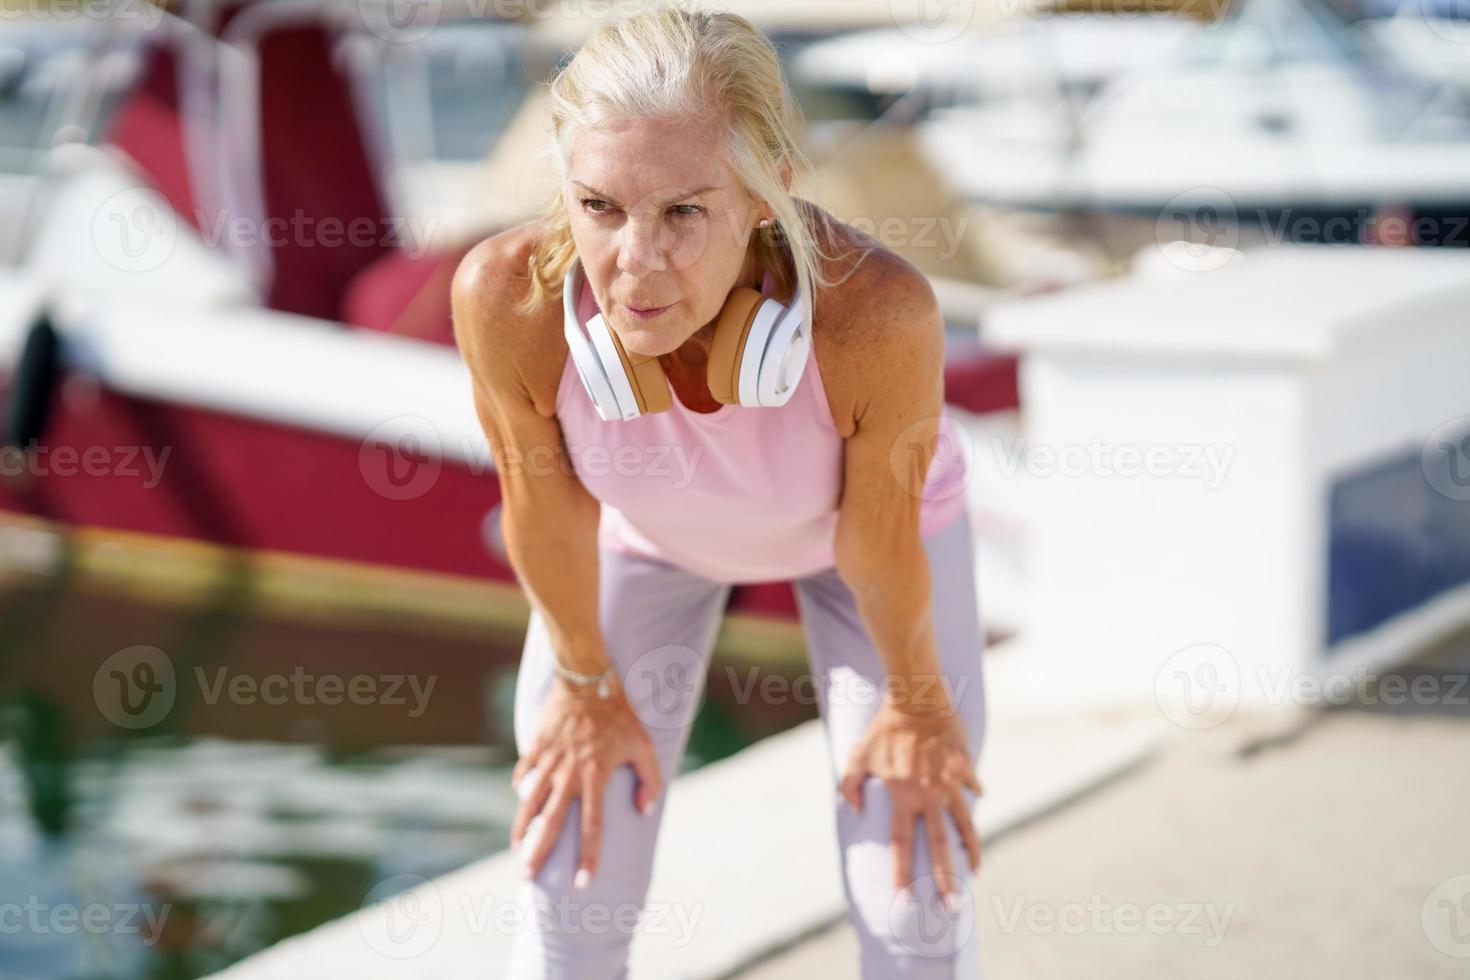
(449, 95)
(42, 67)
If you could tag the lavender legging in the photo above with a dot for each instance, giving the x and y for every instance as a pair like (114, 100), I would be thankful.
(659, 623)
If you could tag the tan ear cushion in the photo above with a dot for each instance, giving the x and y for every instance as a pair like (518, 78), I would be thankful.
(646, 376)
(728, 346)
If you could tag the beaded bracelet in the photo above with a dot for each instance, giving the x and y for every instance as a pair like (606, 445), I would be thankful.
(604, 688)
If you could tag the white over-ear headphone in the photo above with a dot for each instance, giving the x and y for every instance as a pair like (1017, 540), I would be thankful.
(757, 357)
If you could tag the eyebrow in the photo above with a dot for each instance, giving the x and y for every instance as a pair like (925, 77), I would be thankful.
(677, 197)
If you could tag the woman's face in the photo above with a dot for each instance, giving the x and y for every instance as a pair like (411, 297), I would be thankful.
(659, 220)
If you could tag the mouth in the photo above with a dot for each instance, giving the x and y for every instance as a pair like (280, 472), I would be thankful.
(648, 312)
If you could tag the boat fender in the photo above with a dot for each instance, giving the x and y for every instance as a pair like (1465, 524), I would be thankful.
(33, 384)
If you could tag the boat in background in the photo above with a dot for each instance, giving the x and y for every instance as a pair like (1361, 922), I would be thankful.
(1277, 109)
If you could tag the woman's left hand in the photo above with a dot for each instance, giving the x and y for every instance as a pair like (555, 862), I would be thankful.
(923, 758)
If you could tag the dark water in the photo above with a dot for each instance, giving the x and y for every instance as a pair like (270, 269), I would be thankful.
(255, 792)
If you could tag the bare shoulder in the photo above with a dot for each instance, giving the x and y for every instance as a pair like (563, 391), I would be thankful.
(877, 327)
(501, 347)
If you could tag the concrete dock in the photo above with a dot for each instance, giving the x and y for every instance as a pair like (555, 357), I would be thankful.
(1319, 843)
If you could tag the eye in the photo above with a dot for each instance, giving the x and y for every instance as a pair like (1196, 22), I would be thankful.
(694, 209)
(586, 203)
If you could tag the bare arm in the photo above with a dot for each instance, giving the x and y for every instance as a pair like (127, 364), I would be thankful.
(550, 529)
(879, 552)
(549, 520)
(916, 742)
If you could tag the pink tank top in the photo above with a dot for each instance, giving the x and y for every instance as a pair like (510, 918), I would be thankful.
(739, 495)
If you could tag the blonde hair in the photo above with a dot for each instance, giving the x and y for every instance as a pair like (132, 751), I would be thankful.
(672, 61)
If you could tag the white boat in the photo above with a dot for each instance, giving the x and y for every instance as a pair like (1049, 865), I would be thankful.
(1044, 56)
(1279, 105)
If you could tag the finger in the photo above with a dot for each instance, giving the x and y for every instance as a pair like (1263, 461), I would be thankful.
(556, 811)
(593, 783)
(650, 782)
(959, 810)
(525, 763)
(903, 847)
(972, 780)
(939, 855)
(964, 774)
(530, 806)
(851, 786)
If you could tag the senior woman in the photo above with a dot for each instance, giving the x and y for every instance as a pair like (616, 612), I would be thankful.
(632, 506)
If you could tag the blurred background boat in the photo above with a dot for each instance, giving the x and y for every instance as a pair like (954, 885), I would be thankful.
(1278, 105)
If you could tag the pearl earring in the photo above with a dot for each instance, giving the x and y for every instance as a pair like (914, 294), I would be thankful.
(765, 221)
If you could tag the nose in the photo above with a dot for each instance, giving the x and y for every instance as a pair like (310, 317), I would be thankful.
(643, 248)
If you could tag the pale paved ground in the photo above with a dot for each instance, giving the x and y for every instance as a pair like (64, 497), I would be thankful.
(1322, 848)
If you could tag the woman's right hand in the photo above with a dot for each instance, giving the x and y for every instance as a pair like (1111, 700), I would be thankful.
(582, 739)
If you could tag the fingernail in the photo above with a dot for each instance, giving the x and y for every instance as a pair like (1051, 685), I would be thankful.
(582, 879)
(951, 902)
(647, 807)
(905, 895)
(526, 871)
